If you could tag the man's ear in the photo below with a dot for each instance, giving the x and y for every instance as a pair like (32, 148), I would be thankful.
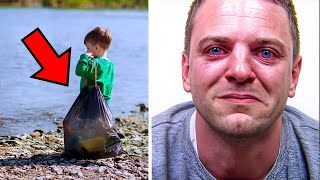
(185, 72)
(295, 76)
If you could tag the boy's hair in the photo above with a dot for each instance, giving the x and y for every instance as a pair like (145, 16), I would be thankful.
(100, 36)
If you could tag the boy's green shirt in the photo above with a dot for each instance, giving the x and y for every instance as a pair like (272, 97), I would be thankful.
(105, 74)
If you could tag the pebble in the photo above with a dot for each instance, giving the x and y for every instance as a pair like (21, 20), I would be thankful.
(21, 170)
(40, 178)
(60, 126)
(127, 174)
(56, 170)
(80, 174)
(74, 172)
(50, 113)
(137, 138)
(110, 165)
(144, 170)
(100, 169)
(35, 134)
(145, 131)
(118, 173)
(119, 166)
(4, 148)
(13, 142)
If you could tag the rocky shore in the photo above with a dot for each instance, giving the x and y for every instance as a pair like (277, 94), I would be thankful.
(39, 155)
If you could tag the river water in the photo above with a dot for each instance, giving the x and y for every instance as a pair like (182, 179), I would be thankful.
(25, 103)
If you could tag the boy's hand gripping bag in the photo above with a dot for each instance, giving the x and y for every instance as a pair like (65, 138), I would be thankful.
(88, 130)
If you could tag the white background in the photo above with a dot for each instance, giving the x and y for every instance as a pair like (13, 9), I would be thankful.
(166, 37)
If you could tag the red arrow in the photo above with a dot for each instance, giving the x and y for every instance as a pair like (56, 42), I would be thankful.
(54, 68)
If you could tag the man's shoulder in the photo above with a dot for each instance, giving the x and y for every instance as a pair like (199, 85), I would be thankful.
(173, 115)
(300, 119)
(303, 133)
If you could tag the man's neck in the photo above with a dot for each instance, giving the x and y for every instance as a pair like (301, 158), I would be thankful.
(245, 159)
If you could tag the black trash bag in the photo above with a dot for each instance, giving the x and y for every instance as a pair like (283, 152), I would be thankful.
(88, 127)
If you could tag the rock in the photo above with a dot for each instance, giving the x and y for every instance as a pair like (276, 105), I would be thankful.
(120, 134)
(15, 137)
(13, 142)
(73, 160)
(38, 147)
(21, 170)
(143, 107)
(137, 164)
(74, 172)
(39, 130)
(100, 169)
(120, 157)
(80, 174)
(66, 170)
(40, 178)
(119, 166)
(52, 139)
(137, 138)
(35, 134)
(127, 174)
(145, 131)
(56, 170)
(144, 170)
(25, 136)
(50, 113)
(118, 173)
(110, 165)
(60, 126)
(128, 133)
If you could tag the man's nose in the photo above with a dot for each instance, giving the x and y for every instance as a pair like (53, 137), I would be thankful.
(240, 66)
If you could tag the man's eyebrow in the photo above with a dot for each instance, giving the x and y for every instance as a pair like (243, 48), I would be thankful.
(266, 41)
(210, 39)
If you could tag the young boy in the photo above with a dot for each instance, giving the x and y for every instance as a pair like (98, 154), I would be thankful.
(97, 42)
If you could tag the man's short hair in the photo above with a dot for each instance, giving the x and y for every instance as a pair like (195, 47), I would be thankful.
(100, 36)
(286, 4)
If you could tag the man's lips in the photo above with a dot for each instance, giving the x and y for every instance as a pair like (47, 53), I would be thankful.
(239, 98)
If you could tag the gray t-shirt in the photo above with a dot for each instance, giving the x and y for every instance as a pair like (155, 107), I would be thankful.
(173, 156)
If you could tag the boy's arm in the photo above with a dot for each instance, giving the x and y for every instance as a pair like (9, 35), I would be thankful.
(85, 67)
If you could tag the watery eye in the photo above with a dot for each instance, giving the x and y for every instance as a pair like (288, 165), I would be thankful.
(266, 54)
(215, 51)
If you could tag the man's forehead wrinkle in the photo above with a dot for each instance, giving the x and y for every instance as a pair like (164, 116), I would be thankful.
(248, 11)
(232, 15)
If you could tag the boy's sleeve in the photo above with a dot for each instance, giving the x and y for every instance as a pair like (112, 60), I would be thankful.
(109, 81)
(112, 74)
(85, 67)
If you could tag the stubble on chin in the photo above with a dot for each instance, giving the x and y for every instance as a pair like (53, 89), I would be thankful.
(238, 125)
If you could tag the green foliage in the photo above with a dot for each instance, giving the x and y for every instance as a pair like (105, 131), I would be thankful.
(88, 4)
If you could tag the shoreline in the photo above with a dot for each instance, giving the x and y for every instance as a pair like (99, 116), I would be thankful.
(39, 155)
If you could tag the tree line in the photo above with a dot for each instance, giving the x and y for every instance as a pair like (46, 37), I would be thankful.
(83, 4)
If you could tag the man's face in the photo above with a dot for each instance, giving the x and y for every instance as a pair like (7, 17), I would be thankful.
(240, 69)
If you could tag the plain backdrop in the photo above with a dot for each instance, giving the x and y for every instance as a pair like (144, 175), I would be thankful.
(166, 33)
